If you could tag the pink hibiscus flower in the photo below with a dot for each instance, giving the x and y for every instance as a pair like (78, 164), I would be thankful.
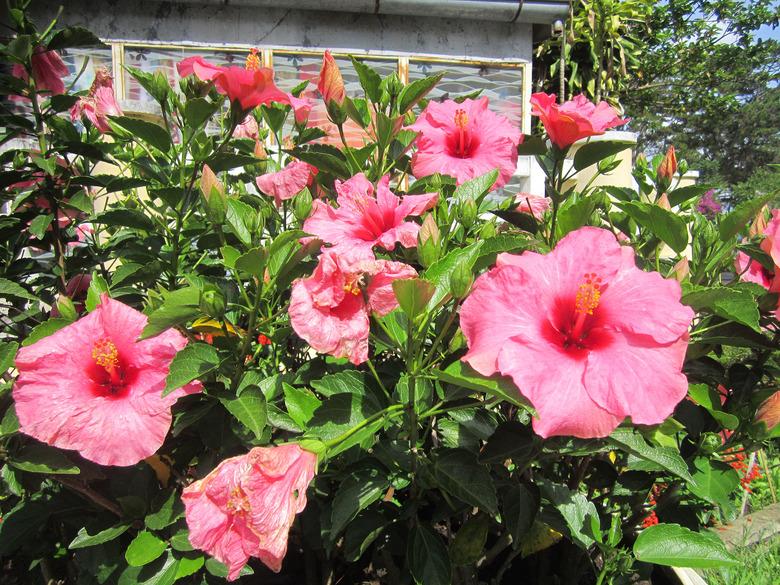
(750, 270)
(363, 219)
(573, 120)
(771, 241)
(301, 108)
(99, 103)
(464, 141)
(48, 69)
(93, 388)
(330, 309)
(586, 336)
(536, 205)
(245, 507)
(287, 183)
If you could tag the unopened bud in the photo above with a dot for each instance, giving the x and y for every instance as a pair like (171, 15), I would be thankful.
(769, 411)
(214, 195)
(260, 150)
(302, 204)
(759, 223)
(663, 202)
(668, 167)
(428, 241)
(212, 303)
(468, 212)
(461, 279)
(681, 270)
(488, 230)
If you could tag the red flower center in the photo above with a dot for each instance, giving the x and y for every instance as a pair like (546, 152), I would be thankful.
(252, 60)
(462, 143)
(574, 323)
(110, 377)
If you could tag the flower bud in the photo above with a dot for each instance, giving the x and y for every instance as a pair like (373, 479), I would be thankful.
(214, 195)
(212, 303)
(769, 411)
(331, 83)
(759, 223)
(259, 151)
(461, 279)
(488, 230)
(663, 202)
(468, 212)
(668, 167)
(681, 270)
(302, 204)
(428, 241)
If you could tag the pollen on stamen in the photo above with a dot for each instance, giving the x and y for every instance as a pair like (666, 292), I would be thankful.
(352, 285)
(461, 118)
(105, 353)
(588, 295)
(252, 60)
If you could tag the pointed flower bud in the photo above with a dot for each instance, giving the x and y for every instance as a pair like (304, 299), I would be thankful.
(759, 223)
(428, 241)
(668, 167)
(461, 279)
(468, 212)
(331, 83)
(663, 202)
(214, 195)
(681, 269)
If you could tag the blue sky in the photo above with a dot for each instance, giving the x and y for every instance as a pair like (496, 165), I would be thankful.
(767, 32)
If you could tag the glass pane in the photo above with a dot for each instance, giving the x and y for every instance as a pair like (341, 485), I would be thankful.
(165, 60)
(503, 86)
(290, 69)
(74, 59)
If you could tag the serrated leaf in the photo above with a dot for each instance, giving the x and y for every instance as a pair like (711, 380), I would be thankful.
(631, 442)
(477, 187)
(461, 374)
(519, 510)
(352, 381)
(675, 546)
(369, 79)
(416, 90)
(8, 351)
(458, 473)
(413, 295)
(429, 561)
(178, 307)
(144, 549)
(125, 218)
(73, 36)
(440, 271)
(249, 408)
(43, 459)
(166, 508)
(356, 492)
(149, 132)
(733, 223)
(84, 538)
(727, 302)
(593, 152)
(667, 226)
(11, 289)
(194, 361)
(252, 262)
(44, 330)
(300, 404)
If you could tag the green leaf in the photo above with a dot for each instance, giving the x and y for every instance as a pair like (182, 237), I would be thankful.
(369, 79)
(240, 218)
(43, 459)
(470, 541)
(428, 558)
(413, 295)
(253, 262)
(300, 403)
(684, 194)
(73, 36)
(593, 152)
(675, 546)
(224, 161)
(361, 532)
(511, 440)
(97, 287)
(8, 351)
(10, 423)
(40, 224)
(125, 271)
(415, 91)
(477, 187)
(249, 408)
(11, 289)
(714, 481)
(532, 145)
(359, 490)
(340, 413)
(458, 473)
(144, 548)
(352, 381)
(461, 374)
(727, 302)
(162, 571)
(520, 507)
(439, 272)
(709, 398)
(125, 218)
(575, 215)
(198, 110)
(149, 132)
(575, 508)
(193, 361)
(631, 442)
(218, 569)
(189, 566)
(178, 307)
(665, 225)
(44, 330)
(324, 157)
(166, 508)
(20, 47)
(735, 222)
(84, 538)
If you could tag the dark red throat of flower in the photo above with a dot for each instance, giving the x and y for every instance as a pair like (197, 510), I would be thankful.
(252, 60)
(461, 122)
(106, 355)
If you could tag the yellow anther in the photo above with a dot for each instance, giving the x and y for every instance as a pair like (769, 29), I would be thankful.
(588, 295)
(461, 118)
(252, 60)
(237, 502)
(105, 353)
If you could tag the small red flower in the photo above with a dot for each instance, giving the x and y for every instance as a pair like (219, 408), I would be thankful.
(263, 340)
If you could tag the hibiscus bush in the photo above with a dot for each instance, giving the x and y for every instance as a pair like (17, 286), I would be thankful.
(234, 344)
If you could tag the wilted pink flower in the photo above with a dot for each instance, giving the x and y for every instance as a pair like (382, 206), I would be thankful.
(48, 69)
(245, 507)
(287, 183)
(331, 83)
(573, 120)
(586, 336)
(93, 388)
(250, 86)
(750, 270)
(536, 205)
(99, 103)
(247, 128)
(364, 219)
(330, 309)
(708, 205)
(771, 241)
(465, 141)
(301, 108)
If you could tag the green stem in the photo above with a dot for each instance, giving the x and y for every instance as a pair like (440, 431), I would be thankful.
(388, 412)
(376, 377)
(445, 328)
